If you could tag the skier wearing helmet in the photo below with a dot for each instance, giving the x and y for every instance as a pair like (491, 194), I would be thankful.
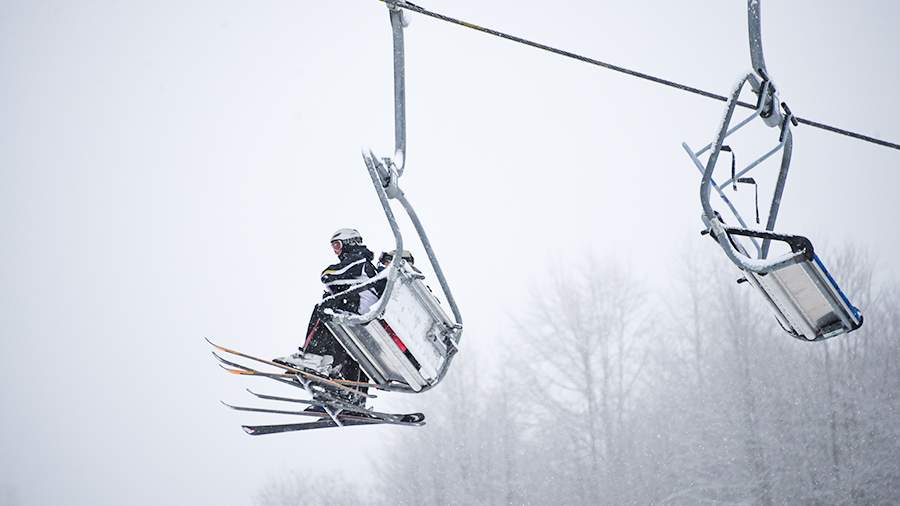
(354, 267)
(321, 352)
(385, 258)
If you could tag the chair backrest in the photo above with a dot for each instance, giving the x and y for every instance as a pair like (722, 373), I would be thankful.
(410, 345)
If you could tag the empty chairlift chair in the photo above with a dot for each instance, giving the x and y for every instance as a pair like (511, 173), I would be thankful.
(806, 299)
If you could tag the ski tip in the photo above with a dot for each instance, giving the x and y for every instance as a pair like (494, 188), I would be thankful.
(227, 405)
(216, 346)
(236, 371)
(414, 419)
(249, 430)
(228, 369)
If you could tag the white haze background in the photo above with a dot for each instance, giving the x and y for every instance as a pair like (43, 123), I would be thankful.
(173, 170)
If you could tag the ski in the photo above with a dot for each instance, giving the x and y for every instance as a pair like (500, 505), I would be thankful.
(243, 372)
(317, 414)
(322, 397)
(300, 401)
(253, 372)
(306, 374)
(336, 403)
(287, 379)
(413, 419)
(319, 392)
(400, 419)
(259, 430)
(338, 384)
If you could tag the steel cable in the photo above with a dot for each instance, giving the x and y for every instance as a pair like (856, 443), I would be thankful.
(421, 10)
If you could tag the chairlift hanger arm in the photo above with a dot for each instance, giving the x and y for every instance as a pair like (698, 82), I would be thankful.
(398, 23)
(385, 174)
(400, 4)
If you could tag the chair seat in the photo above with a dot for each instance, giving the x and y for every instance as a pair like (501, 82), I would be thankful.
(808, 302)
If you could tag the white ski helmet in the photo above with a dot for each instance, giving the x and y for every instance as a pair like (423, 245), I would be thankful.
(347, 236)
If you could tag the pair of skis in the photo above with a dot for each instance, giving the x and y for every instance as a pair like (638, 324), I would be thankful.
(325, 421)
(258, 430)
(332, 400)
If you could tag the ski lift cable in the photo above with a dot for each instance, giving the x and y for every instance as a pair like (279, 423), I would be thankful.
(401, 4)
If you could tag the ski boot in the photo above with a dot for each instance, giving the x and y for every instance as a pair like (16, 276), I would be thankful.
(319, 364)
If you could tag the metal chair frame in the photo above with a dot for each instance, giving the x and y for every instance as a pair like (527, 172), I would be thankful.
(807, 301)
(432, 346)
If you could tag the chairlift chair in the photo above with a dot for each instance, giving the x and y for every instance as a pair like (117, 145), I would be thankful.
(406, 341)
(806, 299)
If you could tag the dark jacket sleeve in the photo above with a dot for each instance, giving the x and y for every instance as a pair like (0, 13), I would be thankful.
(340, 276)
(343, 275)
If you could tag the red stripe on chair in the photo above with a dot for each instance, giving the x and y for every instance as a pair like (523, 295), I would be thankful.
(390, 331)
(311, 334)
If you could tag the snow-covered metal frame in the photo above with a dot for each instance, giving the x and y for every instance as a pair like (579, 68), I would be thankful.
(410, 345)
(405, 342)
(806, 299)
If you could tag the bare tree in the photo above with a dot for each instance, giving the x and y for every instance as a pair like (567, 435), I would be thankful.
(583, 336)
(715, 404)
(296, 489)
(764, 418)
(445, 462)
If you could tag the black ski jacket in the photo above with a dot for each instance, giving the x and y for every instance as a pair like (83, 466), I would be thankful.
(355, 267)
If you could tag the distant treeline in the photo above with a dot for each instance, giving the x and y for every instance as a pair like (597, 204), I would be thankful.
(608, 394)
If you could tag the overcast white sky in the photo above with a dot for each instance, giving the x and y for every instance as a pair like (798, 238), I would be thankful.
(173, 170)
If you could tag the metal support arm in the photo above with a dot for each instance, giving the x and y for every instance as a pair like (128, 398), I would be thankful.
(398, 23)
(765, 89)
(721, 234)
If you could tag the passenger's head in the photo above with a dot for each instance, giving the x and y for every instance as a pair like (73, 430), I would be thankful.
(385, 258)
(344, 239)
